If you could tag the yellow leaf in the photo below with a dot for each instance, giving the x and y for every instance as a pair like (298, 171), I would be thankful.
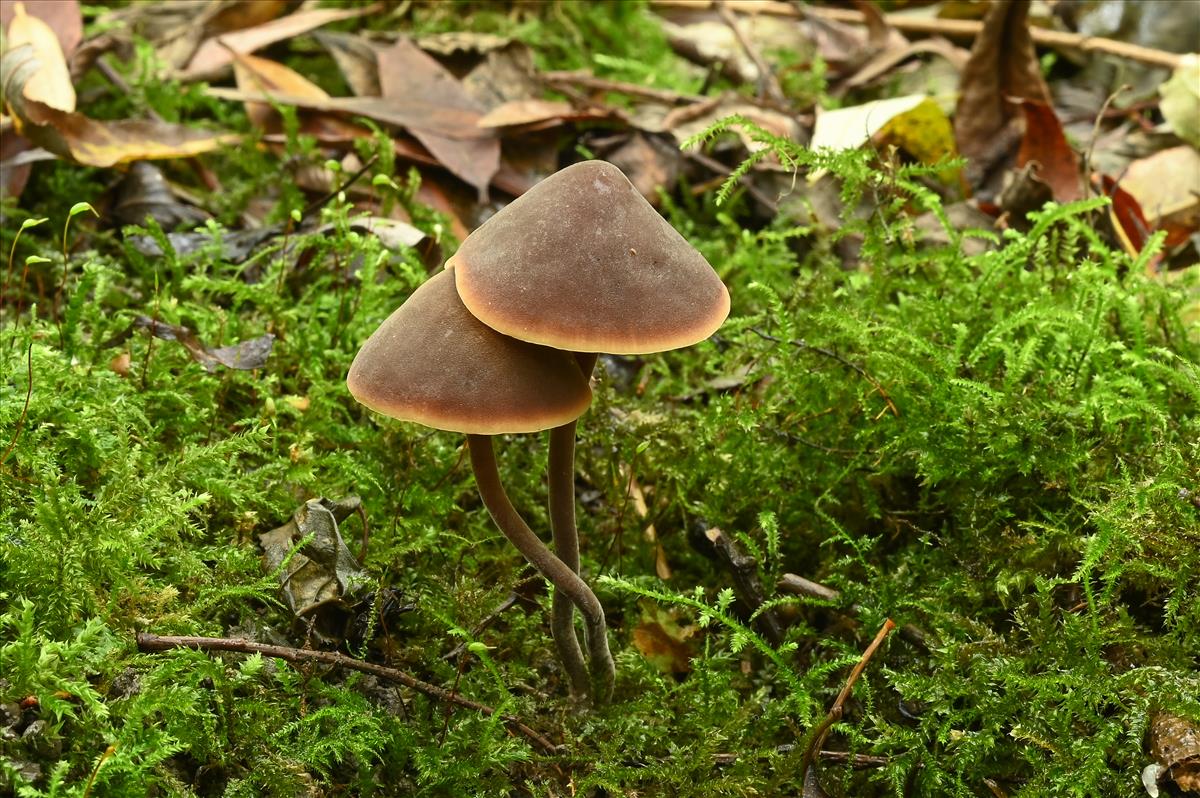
(51, 82)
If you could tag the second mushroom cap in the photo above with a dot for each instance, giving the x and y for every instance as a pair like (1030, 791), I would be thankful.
(583, 262)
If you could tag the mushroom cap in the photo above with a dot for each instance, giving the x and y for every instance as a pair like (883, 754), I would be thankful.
(583, 262)
(434, 363)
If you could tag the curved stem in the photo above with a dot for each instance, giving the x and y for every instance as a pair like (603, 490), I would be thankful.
(566, 546)
(566, 536)
(487, 476)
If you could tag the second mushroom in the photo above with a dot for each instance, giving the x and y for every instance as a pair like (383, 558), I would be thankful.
(583, 263)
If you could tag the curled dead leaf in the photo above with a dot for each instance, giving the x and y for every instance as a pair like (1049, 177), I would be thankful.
(50, 82)
(91, 142)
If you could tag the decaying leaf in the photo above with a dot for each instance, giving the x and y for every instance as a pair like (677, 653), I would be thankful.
(50, 82)
(412, 79)
(1167, 186)
(1045, 143)
(355, 58)
(216, 53)
(90, 142)
(144, 192)
(270, 77)
(322, 578)
(662, 640)
(247, 355)
(1180, 103)
(1003, 65)
(62, 16)
(1175, 746)
(850, 128)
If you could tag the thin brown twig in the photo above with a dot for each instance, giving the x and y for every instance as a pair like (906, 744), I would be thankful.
(590, 81)
(800, 586)
(801, 344)
(959, 29)
(152, 642)
(835, 711)
(768, 84)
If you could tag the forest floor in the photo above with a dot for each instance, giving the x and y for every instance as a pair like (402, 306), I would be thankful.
(922, 518)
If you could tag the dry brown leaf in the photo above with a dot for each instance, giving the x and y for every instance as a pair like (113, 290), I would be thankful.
(50, 83)
(63, 17)
(246, 356)
(92, 142)
(526, 112)
(217, 53)
(260, 74)
(1045, 143)
(662, 640)
(1175, 746)
(413, 80)
(355, 58)
(1167, 186)
(1003, 66)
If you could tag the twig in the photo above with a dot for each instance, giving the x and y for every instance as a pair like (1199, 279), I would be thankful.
(320, 201)
(151, 642)
(798, 585)
(744, 570)
(853, 760)
(801, 344)
(835, 711)
(768, 85)
(489, 619)
(961, 29)
(590, 81)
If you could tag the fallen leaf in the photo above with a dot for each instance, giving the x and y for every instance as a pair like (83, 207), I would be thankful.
(247, 355)
(50, 82)
(1175, 745)
(13, 175)
(1129, 223)
(1180, 104)
(1003, 65)
(355, 59)
(90, 142)
(689, 120)
(448, 123)
(882, 64)
(850, 128)
(412, 79)
(652, 162)
(1045, 143)
(505, 74)
(528, 112)
(1167, 186)
(662, 640)
(63, 17)
(260, 74)
(144, 192)
(322, 579)
(217, 52)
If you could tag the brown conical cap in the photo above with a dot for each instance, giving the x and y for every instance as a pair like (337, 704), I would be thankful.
(582, 262)
(433, 362)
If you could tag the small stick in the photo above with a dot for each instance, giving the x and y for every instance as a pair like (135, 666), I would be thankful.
(801, 344)
(767, 83)
(959, 29)
(800, 586)
(835, 711)
(590, 81)
(151, 642)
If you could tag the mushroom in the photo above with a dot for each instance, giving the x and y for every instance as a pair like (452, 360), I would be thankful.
(434, 363)
(582, 262)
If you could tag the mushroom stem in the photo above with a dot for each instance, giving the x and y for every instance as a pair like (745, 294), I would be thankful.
(566, 540)
(566, 546)
(487, 477)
